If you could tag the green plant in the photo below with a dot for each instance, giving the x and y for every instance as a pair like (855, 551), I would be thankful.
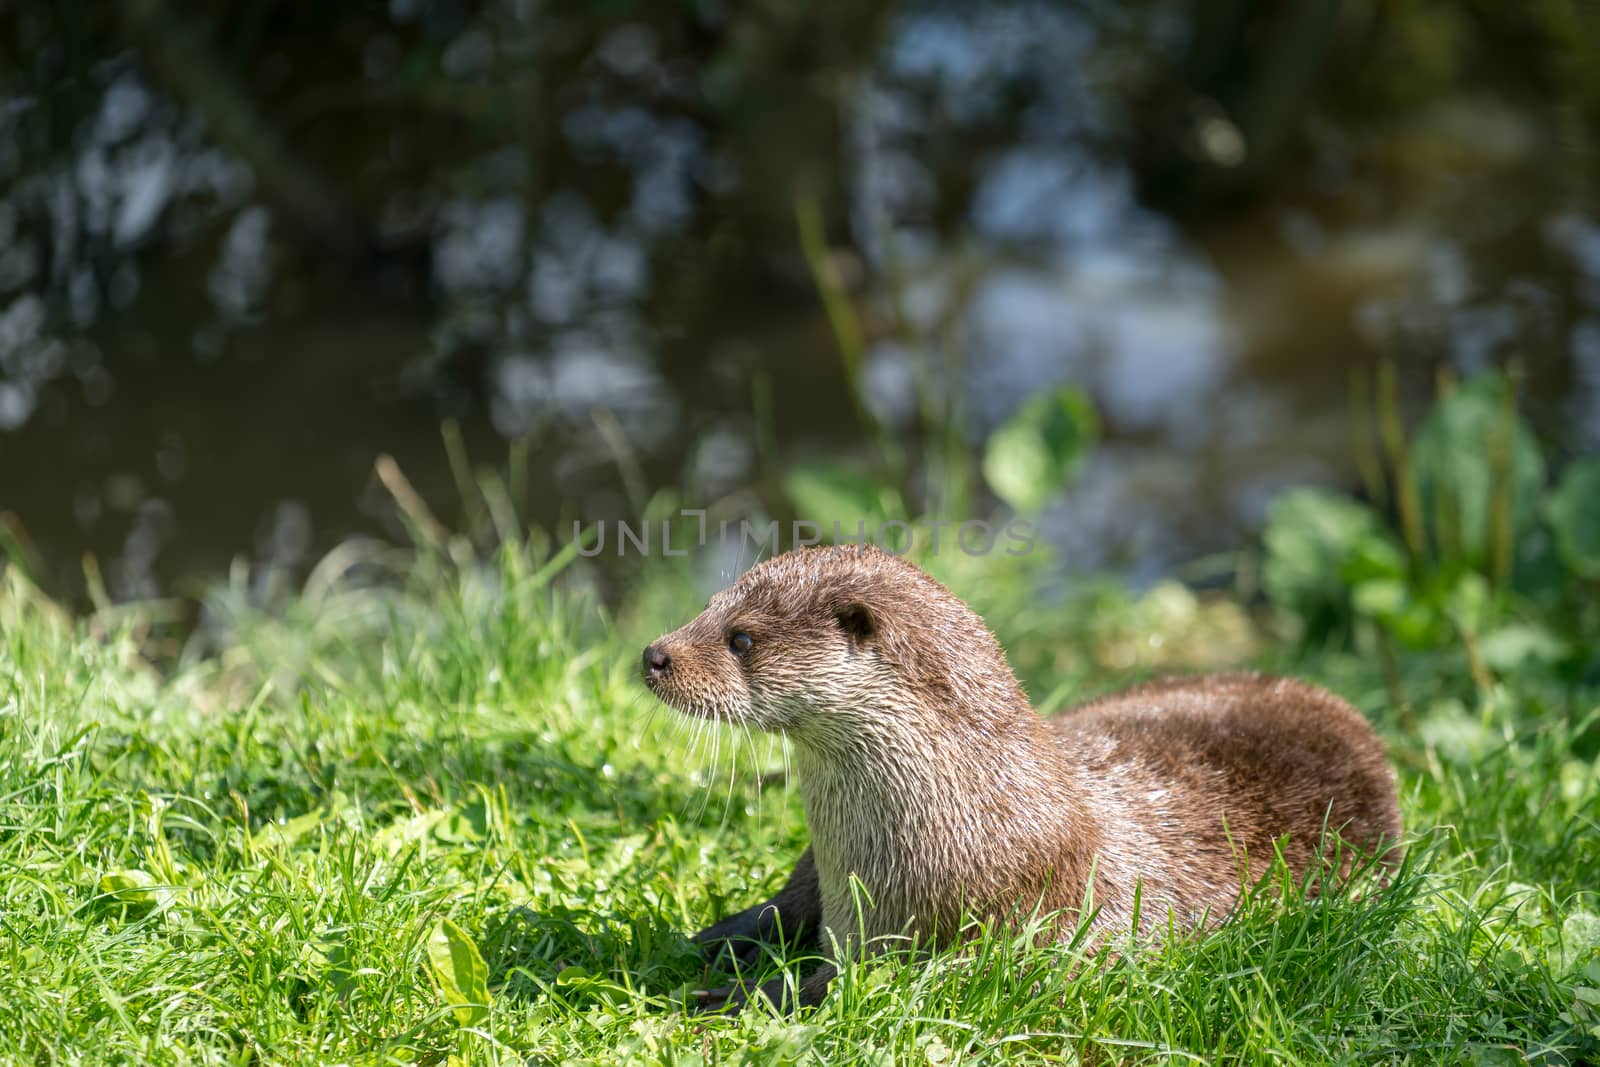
(1484, 553)
(1025, 462)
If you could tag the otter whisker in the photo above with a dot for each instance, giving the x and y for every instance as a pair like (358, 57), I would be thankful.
(711, 776)
(642, 733)
(783, 742)
(733, 773)
(756, 766)
(742, 729)
(691, 758)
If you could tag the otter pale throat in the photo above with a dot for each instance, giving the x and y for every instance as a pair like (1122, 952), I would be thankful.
(928, 776)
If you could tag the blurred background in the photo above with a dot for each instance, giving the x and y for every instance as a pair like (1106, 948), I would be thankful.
(618, 250)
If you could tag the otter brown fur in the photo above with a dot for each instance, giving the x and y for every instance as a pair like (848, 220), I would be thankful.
(927, 775)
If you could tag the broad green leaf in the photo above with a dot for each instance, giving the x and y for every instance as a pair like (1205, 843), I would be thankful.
(1319, 544)
(411, 830)
(829, 494)
(1469, 602)
(1381, 598)
(581, 980)
(285, 834)
(1455, 733)
(1573, 511)
(1469, 450)
(1392, 603)
(458, 969)
(135, 888)
(1580, 937)
(1374, 557)
(463, 825)
(1036, 453)
(1519, 645)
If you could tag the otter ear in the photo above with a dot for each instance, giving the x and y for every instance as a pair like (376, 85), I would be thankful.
(856, 620)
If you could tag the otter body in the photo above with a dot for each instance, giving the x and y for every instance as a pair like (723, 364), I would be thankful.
(927, 775)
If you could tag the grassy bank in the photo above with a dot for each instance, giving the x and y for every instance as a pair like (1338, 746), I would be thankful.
(298, 846)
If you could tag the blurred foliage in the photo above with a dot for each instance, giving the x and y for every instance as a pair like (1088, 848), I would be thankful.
(360, 121)
(1035, 453)
(370, 131)
(1573, 512)
(1484, 554)
(1398, 50)
(1027, 461)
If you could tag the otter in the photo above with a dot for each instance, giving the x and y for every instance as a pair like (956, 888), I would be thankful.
(927, 776)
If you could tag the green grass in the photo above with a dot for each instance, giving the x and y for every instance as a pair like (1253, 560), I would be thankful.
(241, 858)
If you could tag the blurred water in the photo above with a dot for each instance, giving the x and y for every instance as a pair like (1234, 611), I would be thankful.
(183, 380)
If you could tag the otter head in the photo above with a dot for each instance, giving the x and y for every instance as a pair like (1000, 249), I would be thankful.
(820, 640)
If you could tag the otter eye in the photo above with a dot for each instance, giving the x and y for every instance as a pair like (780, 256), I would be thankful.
(739, 643)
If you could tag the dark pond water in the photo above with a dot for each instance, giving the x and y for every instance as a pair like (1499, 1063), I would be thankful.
(595, 250)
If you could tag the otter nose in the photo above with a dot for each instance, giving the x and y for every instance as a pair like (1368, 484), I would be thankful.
(656, 661)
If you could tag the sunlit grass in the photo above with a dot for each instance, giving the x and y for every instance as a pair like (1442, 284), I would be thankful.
(241, 859)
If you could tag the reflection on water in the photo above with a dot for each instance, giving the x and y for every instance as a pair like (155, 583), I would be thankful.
(185, 377)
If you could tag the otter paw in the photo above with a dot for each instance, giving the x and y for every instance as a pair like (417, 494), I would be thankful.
(731, 999)
(726, 998)
(736, 954)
